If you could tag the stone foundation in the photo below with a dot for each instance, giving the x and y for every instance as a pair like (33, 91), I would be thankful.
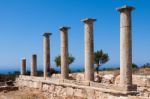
(142, 82)
(54, 87)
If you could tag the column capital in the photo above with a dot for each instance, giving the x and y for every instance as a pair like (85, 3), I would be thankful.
(23, 58)
(33, 54)
(125, 7)
(88, 20)
(64, 28)
(47, 34)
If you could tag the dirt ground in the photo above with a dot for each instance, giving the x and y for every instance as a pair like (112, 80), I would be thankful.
(29, 94)
(22, 94)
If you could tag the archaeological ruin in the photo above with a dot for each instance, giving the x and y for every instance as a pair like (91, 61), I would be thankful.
(124, 86)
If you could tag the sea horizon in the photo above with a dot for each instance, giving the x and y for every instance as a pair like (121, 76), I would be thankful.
(72, 68)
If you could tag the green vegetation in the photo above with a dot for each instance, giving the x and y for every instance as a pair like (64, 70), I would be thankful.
(100, 58)
(134, 66)
(147, 65)
(71, 59)
(9, 76)
(40, 72)
(144, 69)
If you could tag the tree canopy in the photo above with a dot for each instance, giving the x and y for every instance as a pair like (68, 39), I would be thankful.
(100, 58)
(71, 59)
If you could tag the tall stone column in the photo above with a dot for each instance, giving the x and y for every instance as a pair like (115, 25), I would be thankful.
(125, 45)
(89, 49)
(64, 52)
(46, 52)
(23, 66)
(33, 65)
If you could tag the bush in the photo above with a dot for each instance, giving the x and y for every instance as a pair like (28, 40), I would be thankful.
(134, 66)
(147, 65)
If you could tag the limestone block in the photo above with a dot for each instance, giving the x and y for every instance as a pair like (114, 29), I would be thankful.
(148, 83)
(133, 97)
(99, 85)
(54, 80)
(90, 94)
(84, 83)
(111, 97)
(148, 89)
(68, 81)
(100, 95)
(79, 76)
(37, 85)
(59, 90)
(142, 81)
(108, 79)
(95, 84)
(55, 76)
(61, 80)
(122, 97)
(38, 78)
(146, 94)
(51, 88)
(45, 87)
(80, 93)
(70, 91)
(142, 89)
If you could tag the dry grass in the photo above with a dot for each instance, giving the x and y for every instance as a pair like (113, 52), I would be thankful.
(142, 71)
(22, 94)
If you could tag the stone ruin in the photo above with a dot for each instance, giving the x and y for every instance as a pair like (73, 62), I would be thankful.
(125, 86)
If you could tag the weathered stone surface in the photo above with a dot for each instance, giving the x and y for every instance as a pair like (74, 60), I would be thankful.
(85, 83)
(143, 81)
(89, 49)
(68, 81)
(23, 66)
(46, 53)
(79, 76)
(64, 52)
(33, 65)
(108, 79)
(125, 45)
(90, 94)
(70, 91)
(53, 87)
(80, 93)
(45, 87)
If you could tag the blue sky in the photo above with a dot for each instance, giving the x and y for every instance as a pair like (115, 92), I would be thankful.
(22, 23)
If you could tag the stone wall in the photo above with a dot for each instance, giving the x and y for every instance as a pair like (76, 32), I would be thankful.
(54, 87)
(142, 82)
(143, 85)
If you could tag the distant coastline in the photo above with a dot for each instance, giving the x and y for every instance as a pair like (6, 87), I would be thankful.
(73, 68)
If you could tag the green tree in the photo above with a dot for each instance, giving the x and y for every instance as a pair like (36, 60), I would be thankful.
(147, 65)
(134, 66)
(71, 59)
(58, 60)
(100, 58)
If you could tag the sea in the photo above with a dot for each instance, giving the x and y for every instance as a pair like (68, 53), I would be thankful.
(73, 68)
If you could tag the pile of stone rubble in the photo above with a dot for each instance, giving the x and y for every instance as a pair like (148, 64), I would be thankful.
(8, 86)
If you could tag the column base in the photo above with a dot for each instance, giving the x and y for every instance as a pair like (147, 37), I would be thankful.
(128, 87)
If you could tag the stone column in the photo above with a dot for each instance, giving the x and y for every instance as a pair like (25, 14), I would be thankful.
(64, 52)
(125, 45)
(89, 49)
(46, 52)
(23, 66)
(33, 65)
